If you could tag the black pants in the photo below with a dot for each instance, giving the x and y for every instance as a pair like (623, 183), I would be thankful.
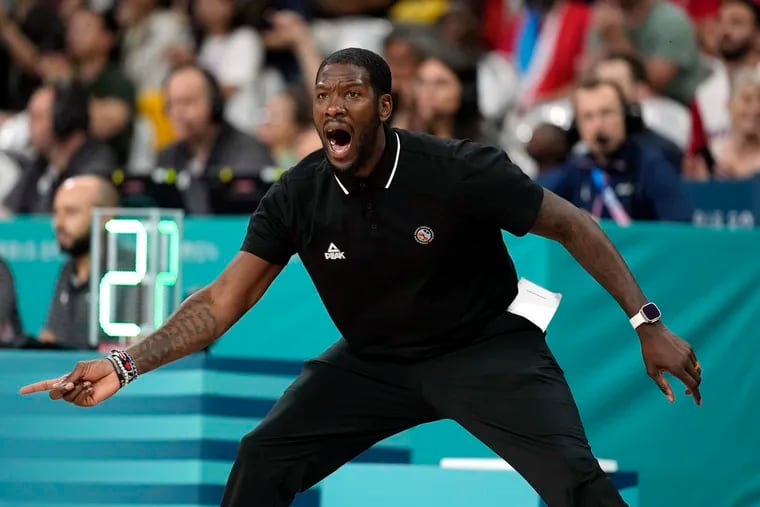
(508, 391)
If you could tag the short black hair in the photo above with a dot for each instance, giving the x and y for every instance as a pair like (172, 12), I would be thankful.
(638, 70)
(376, 67)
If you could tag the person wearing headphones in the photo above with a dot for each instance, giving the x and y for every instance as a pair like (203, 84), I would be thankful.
(59, 124)
(620, 175)
(214, 161)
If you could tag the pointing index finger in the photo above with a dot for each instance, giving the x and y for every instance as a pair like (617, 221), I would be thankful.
(44, 385)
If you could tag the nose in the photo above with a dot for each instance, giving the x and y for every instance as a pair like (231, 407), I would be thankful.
(335, 107)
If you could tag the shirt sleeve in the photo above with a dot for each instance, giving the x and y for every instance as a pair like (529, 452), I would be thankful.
(270, 232)
(493, 189)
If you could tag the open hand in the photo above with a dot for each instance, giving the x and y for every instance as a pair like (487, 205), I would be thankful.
(665, 352)
(89, 383)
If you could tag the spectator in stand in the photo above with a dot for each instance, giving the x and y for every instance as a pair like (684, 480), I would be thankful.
(738, 31)
(68, 320)
(660, 34)
(446, 99)
(207, 144)
(668, 117)
(737, 155)
(459, 28)
(621, 176)
(59, 125)
(703, 14)
(90, 40)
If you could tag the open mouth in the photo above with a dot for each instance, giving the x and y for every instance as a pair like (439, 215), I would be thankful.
(338, 140)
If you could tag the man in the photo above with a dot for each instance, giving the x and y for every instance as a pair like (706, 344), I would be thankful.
(10, 322)
(91, 39)
(738, 30)
(660, 34)
(207, 145)
(68, 319)
(621, 176)
(380, 218)
(58, 131)
(659, 116)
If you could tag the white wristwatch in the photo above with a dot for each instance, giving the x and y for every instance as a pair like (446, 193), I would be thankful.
(648, 314)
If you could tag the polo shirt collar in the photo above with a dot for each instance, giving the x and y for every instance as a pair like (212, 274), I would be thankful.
(383, 174)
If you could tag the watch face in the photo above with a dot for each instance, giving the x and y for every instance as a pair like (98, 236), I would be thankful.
(650, 311)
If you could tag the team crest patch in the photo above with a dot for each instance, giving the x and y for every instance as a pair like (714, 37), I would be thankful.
(423, 235)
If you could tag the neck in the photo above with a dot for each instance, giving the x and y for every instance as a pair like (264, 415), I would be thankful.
(201, 146)
(62, 152)
(377, 154)
(89, 68)
(82, 265)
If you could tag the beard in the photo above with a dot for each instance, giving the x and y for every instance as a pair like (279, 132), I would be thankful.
(735, 53)
(79, 247)
(366, 143)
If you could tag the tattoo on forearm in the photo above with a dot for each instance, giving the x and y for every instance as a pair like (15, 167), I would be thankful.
(190, 329)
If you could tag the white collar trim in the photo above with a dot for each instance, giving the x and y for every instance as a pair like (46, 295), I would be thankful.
(393, 171)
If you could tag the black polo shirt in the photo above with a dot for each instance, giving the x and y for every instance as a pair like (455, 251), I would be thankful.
(409, 262)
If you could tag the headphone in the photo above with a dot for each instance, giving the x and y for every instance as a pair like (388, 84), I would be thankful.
(70, 109)
(215, 97)
(632, 115)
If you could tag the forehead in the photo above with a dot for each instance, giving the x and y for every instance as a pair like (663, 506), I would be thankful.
(342, 73)
(186, 82)
(597, 97)
(75, 196)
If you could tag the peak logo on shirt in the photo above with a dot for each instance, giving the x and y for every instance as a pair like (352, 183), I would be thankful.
(334, 253)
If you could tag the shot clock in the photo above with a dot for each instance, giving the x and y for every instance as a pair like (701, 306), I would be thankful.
(136, 284)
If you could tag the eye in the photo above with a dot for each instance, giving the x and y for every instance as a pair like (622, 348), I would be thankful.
(321, 96)
(353, 94)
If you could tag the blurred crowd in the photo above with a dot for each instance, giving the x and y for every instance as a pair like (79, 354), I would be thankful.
(203, 104)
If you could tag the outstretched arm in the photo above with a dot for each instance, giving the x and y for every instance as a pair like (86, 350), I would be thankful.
(198, 322)
(207, 314)
(577, 231)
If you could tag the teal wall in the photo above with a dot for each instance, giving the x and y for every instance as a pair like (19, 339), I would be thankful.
(705, 281)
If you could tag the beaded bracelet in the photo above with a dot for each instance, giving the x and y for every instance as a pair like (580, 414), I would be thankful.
(124, 365)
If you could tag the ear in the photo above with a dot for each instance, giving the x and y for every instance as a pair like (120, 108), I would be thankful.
(385, 107)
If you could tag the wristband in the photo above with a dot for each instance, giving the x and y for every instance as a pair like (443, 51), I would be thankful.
(124, 365)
